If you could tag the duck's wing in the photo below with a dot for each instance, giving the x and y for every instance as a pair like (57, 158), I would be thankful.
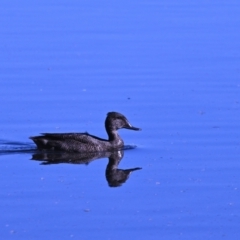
(71, 142)
(79, 137)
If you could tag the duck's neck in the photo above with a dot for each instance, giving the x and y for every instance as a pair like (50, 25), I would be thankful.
(114, 137)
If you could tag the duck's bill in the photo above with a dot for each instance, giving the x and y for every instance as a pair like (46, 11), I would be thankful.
(132, 128)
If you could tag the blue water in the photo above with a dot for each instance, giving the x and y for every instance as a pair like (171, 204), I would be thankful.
(172, 67)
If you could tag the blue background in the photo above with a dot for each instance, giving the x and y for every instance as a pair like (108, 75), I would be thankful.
(172, 67)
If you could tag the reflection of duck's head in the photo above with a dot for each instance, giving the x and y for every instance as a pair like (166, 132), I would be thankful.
(116, 177)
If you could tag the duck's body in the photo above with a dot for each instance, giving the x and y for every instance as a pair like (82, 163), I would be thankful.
(84, 142)
(75, 142)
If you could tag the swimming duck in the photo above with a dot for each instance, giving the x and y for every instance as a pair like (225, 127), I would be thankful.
(84, 142)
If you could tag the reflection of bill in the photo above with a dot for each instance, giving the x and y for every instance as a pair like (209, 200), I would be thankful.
(115, 177)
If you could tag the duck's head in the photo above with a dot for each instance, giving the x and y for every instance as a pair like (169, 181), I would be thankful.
(115, 121)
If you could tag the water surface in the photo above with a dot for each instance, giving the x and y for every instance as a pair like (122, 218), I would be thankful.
(172, 68)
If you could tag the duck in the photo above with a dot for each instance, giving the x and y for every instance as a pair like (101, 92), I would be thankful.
(85, 142)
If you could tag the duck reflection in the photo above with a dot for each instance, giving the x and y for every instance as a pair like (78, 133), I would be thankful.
(114, 176)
